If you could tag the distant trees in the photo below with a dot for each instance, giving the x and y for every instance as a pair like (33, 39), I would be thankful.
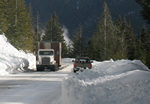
(78, 43)
(17, 24)
(37, 29)
(122, 51)
(111, 40)
(145, 4)
(114, 40)
(103, 39)
(129, 40)
(143, 46)
(143, 42)
(3, 24)
(54, 33)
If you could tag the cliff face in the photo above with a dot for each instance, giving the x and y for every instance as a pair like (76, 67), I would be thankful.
(71, 13)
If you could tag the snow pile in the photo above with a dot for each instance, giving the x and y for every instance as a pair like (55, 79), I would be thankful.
(109, 82)
(12, 60)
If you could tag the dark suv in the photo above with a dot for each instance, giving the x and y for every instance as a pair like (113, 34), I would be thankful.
(82, 62)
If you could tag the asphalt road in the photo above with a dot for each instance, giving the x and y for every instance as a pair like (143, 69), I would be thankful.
(31, 87)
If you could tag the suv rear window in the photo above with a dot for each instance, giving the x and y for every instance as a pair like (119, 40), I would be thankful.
(80, 60)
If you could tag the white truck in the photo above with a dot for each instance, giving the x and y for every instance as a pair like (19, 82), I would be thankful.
(48, 56)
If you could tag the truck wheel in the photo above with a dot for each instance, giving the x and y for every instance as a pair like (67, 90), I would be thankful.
(55, 68)
(40, 68)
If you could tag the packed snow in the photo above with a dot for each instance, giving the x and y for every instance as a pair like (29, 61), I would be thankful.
(108, 82)
(12, 60)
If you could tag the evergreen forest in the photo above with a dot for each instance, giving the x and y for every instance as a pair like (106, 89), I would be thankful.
(110, 40)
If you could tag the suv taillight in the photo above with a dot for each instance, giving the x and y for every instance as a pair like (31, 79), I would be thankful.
(74, 64)
(90, 65)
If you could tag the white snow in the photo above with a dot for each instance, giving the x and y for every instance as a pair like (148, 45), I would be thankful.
(108, 82)
(12, 60)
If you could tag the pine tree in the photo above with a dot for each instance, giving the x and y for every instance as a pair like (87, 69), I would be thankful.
(54, 33)
(126, 38)
(53, 30)
(122, 51)
(144, 37)
(64, 50)
(143, 46)
(3, 25)
(19, 31)
(24, 26)
(104, 39)
(90, 50)
(78, 43)
(145, 4)
(129, 39)
(37, 29)
(32, 19)
(70, 50)
(10, 14)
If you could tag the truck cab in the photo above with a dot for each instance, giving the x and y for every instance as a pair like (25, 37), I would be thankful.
(48, 56)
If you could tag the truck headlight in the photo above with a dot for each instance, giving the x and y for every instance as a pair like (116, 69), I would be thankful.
(53, 62)
(37, 62)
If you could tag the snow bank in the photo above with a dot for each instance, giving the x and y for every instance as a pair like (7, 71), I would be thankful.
(109, 82)
(12, 60)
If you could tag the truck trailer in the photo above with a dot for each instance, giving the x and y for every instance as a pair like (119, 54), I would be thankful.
(48, 56)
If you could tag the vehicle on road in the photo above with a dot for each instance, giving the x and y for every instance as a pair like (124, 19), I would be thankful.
(82, 63)
(48, 56)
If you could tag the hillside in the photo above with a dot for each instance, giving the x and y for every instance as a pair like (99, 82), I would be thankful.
(71, 13)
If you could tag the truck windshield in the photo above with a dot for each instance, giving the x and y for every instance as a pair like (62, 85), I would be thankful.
(46, 53)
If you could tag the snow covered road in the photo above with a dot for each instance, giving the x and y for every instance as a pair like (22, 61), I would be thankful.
(32, 87)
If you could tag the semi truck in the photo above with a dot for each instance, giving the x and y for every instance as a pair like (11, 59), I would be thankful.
(48, 56)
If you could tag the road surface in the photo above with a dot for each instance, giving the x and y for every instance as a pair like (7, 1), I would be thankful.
(32, 87)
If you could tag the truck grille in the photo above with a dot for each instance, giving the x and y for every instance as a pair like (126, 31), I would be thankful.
(45, 60)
